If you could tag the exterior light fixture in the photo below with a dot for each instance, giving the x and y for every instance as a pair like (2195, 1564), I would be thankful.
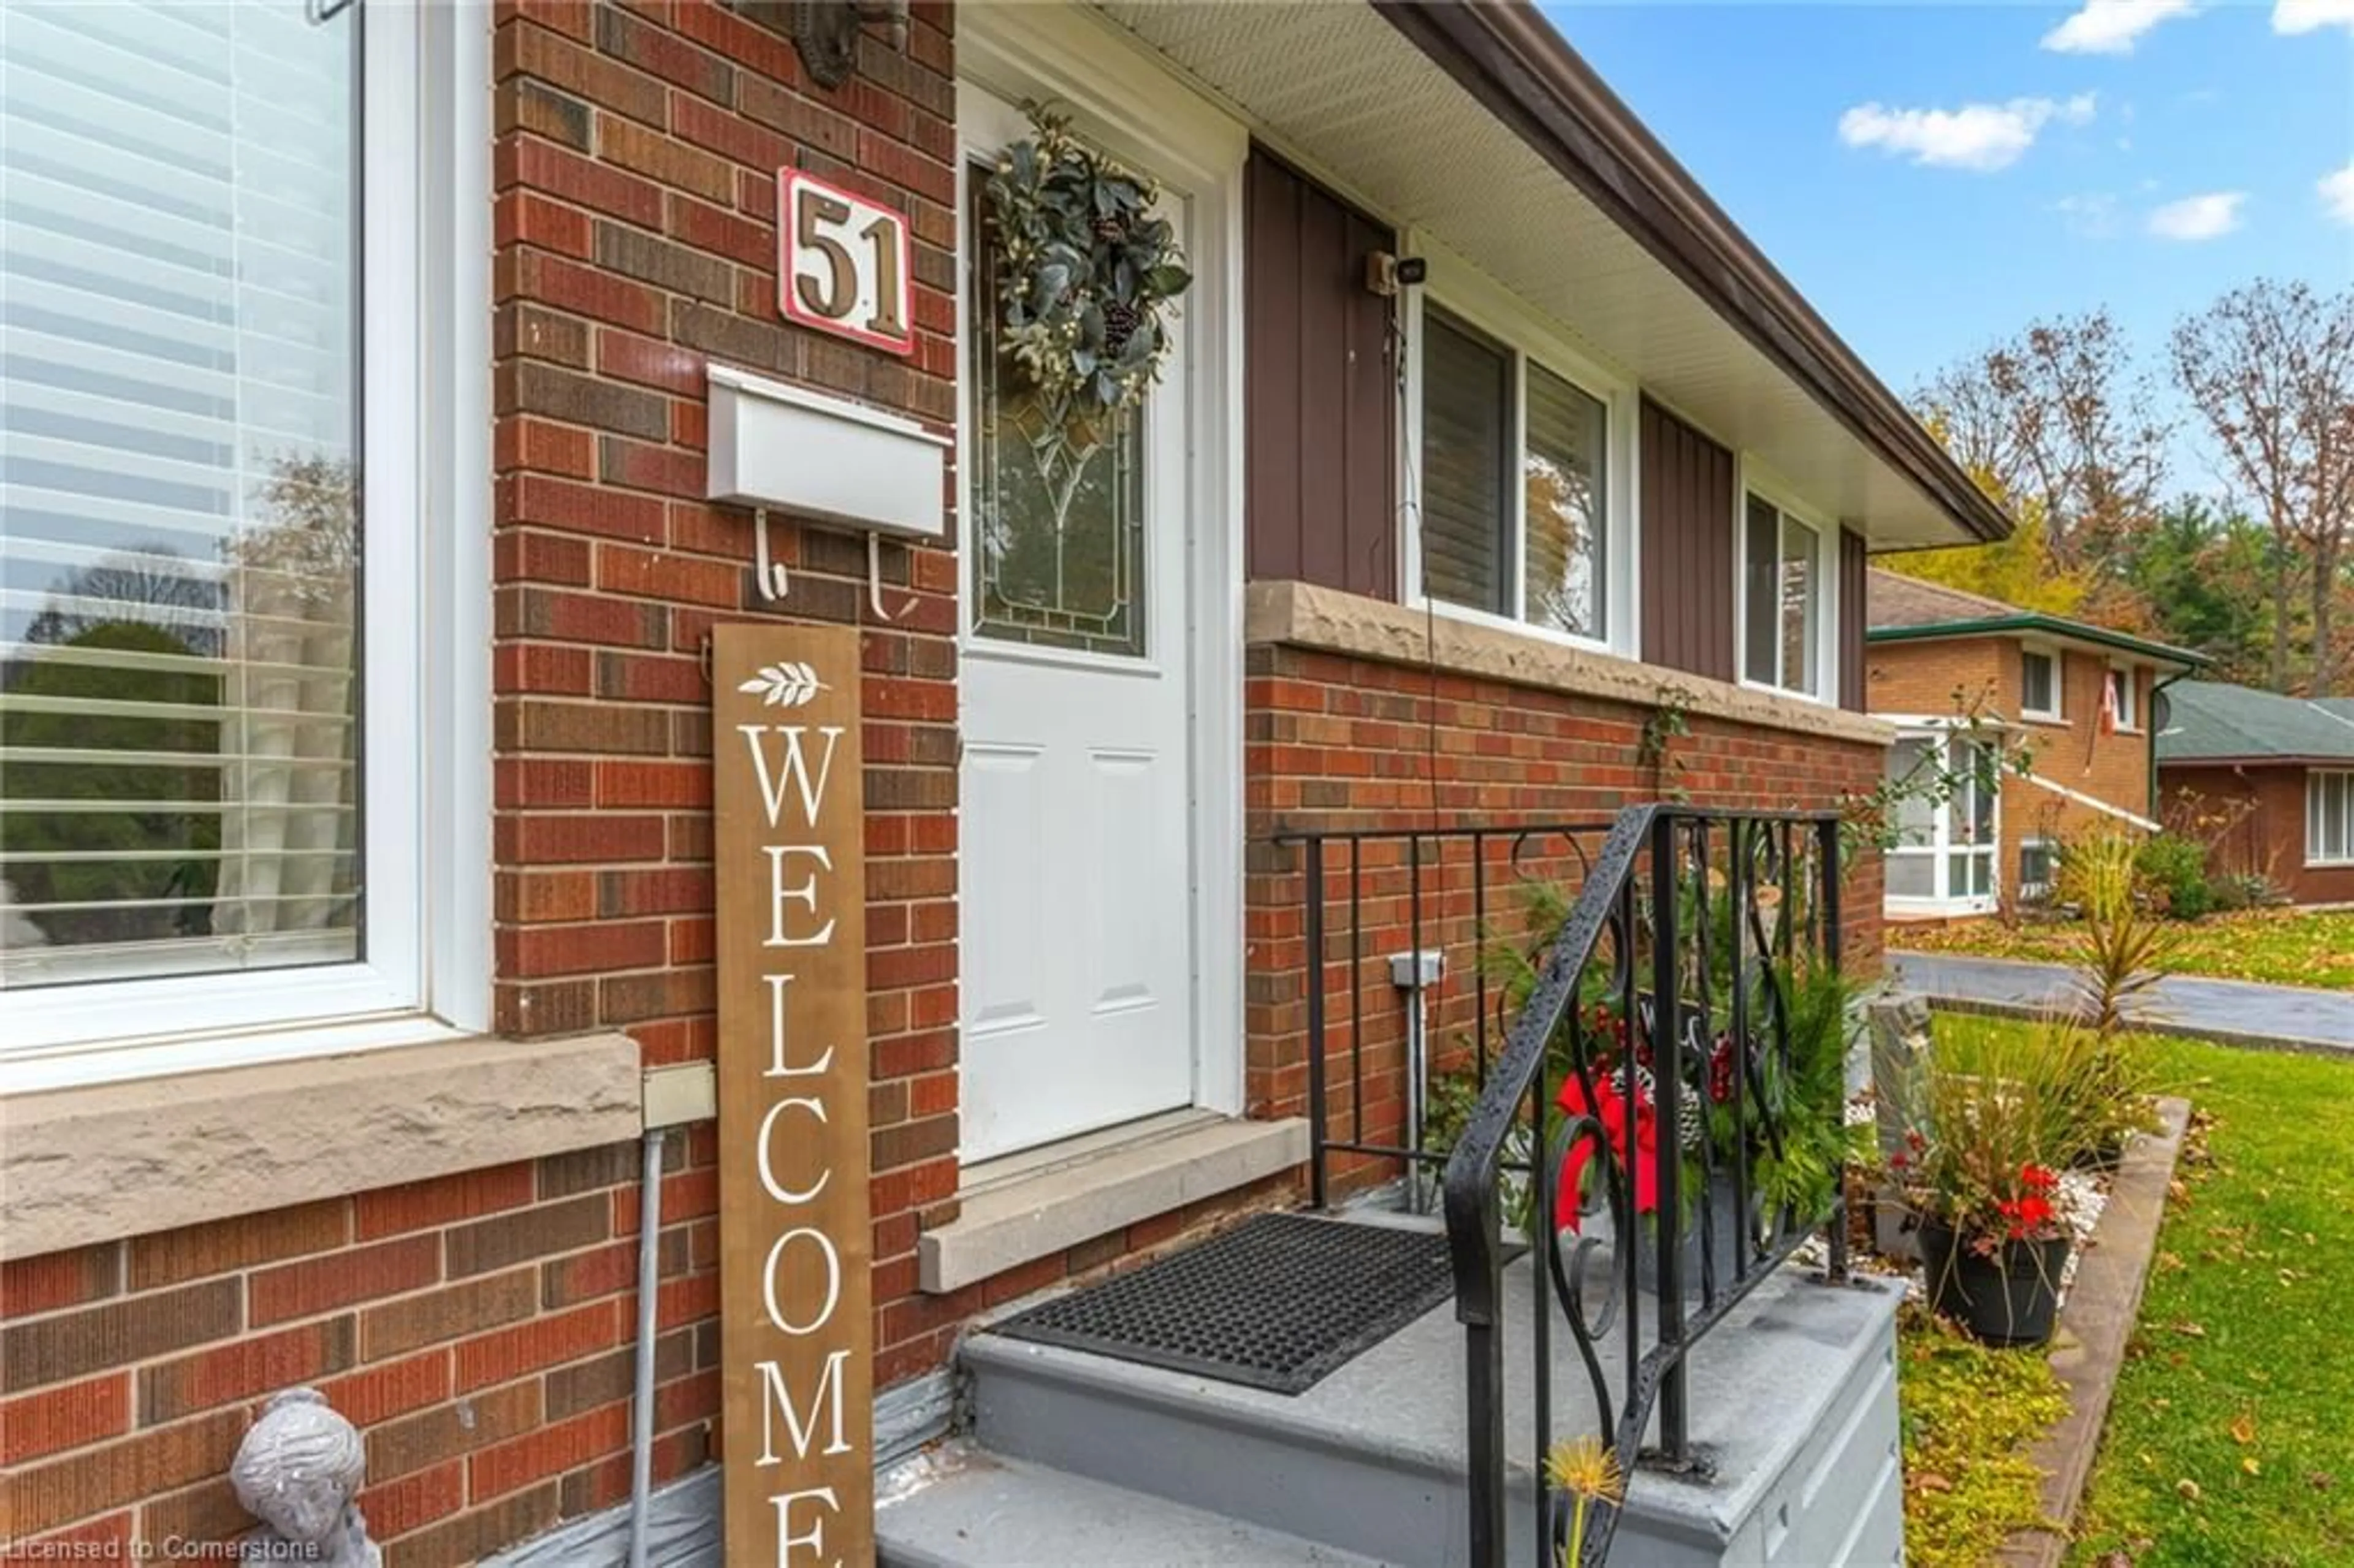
(826, 32)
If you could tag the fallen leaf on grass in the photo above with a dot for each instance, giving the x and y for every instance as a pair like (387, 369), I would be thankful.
(1930, 1481)
(2321, 1480)
(2248, 1462)
(2188, 1488)
(2243, 1429)
(2168, 1264)
(2188, 1328)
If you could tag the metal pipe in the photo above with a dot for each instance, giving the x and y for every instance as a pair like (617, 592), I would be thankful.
(1316, 1130)
(1416, 1063)
(642, 1436)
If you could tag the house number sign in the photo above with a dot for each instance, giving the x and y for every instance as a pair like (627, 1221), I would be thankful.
(842, 263)
(796, 1336)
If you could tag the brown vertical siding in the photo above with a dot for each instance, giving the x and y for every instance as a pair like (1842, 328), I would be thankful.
(1320, 398)
(1687, 562)
(1853, 616)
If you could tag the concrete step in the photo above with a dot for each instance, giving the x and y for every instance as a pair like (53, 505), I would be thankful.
(1793, 1405)
(963, 1508)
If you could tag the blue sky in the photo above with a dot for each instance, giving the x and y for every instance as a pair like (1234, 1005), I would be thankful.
(2099, 164)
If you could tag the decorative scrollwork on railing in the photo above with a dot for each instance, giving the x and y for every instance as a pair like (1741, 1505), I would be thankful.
(1653, 1060)
(1641, 1107)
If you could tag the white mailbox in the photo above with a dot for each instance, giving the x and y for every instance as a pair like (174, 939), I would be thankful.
(823, 457)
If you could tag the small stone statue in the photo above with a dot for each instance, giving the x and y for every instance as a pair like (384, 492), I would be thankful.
(297, 1471)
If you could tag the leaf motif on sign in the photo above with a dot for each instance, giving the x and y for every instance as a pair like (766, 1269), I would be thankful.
(785, 685)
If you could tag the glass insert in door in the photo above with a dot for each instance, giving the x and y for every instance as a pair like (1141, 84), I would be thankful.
(1058, 525)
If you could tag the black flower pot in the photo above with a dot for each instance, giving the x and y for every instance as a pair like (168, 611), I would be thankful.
(1730, 1232)
(2010, 1298)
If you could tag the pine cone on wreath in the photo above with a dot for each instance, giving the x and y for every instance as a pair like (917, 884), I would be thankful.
(1119, 325)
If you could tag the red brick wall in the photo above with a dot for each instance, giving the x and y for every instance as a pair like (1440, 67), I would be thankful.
(2254, 818)
(635, 173)
(479, 1328)
(1334, 743)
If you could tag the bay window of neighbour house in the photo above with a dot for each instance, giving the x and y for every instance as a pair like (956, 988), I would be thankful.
(2329, 818)
(1783, 589)
(1513, 514)
(1946, 822)
(191, 808)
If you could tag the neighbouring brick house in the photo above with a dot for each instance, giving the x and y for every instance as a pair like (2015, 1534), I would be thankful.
(2075, 698)
(2267, 781)
(357, 900)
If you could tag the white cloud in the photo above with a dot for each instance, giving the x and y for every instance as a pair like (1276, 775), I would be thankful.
(2309, 15)
(2110, 26)
(2337, 193)
(2208, 216)
(2093, 216)
(1980, 137)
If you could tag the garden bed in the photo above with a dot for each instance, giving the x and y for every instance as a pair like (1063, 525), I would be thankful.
(1999, 1444)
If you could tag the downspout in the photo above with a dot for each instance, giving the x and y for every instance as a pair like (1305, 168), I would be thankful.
(2154, 813)
(642, 1405)
(674, 1096)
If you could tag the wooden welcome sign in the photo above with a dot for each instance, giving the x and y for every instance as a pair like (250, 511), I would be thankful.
(796, 1325)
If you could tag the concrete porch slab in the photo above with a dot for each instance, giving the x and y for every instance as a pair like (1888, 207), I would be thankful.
(1793, 1405)
(971, 1508)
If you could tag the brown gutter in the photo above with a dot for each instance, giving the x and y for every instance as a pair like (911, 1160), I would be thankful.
(1506, 55)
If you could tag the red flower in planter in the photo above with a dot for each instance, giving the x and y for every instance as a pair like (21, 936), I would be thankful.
(1610, 1109)
(2027, 1215)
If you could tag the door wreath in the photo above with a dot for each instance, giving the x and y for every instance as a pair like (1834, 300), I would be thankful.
(1087, 274)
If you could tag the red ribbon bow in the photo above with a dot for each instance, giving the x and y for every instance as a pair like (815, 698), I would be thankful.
(1610, 1110)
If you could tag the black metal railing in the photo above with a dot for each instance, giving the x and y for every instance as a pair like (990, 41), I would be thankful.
(1369, 895)
(1651, 1061)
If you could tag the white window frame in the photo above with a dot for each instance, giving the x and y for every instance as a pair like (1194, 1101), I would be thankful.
(424, 972)
(2128, 698)
(1941, 733)
(2058, 712)
(1753, 478)
(2313, 858)
(1461, 291)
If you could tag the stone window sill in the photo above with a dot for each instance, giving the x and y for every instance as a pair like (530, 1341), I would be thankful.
(1303, 615)
(102, 1162)
(1015, 1211)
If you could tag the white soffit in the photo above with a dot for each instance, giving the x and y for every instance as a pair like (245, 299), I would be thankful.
(1333, 85)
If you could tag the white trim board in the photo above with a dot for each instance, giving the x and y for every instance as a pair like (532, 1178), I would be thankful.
(2081, 798)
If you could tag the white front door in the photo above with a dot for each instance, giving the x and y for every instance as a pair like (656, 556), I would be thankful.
(1076, 846)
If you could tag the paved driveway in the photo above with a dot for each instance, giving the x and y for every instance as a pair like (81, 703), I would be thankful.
(2236, 1012)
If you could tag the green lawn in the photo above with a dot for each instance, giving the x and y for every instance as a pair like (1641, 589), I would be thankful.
(2286, 946)
(2230, 1441)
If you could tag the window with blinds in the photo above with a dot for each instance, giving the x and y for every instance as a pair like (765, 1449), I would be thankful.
(179, 519)
(1513, 520)
(2329, 818)
(1467, 429)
